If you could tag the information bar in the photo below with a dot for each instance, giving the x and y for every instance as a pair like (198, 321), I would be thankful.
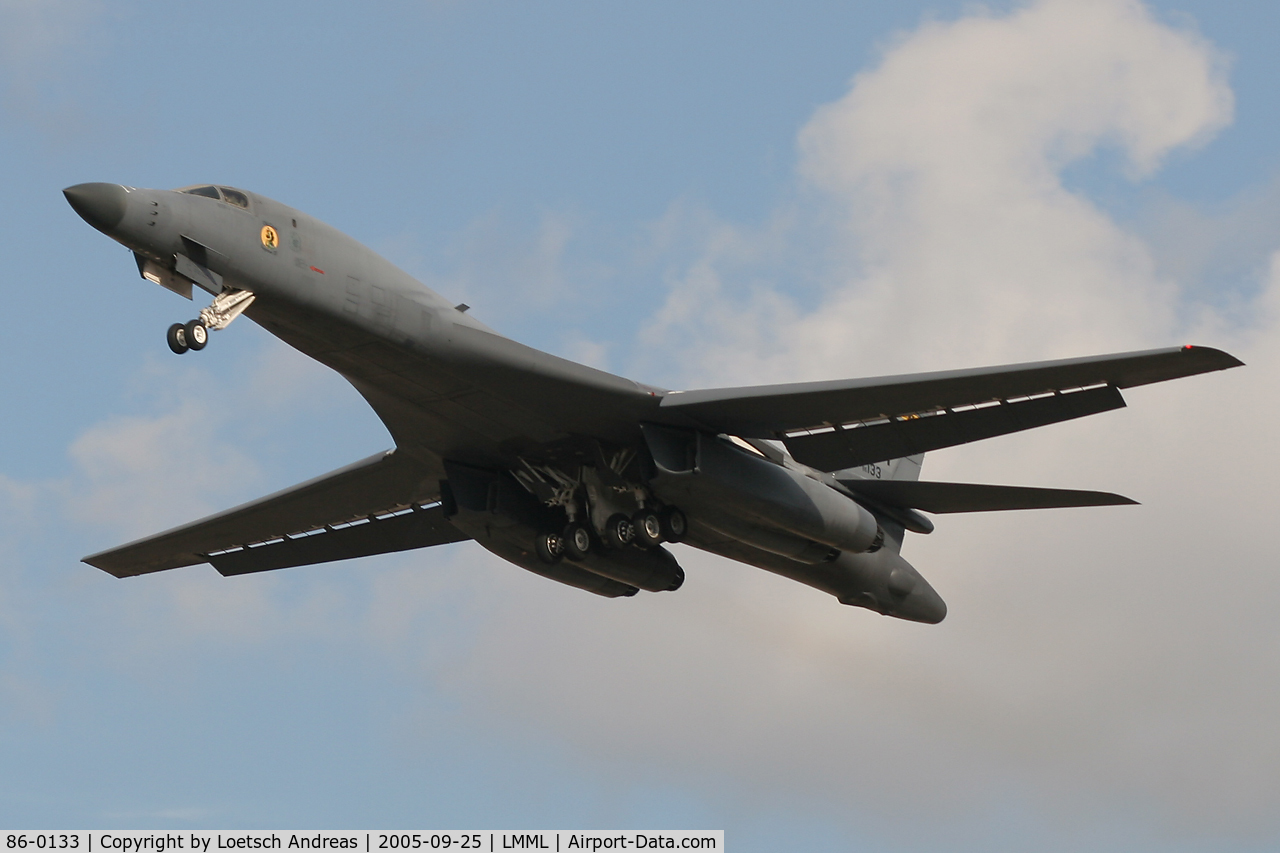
(364, 841)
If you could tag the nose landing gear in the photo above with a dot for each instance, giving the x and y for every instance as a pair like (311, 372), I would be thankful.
(182, 337)
(194, 335)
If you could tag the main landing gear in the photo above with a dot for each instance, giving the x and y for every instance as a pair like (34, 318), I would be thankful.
(647, 528)
(194, 335)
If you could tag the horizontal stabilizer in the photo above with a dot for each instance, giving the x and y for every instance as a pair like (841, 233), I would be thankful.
(975, 497)
(774, 411)
(380, 485)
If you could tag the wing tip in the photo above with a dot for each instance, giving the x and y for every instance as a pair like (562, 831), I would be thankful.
(1215, 359)
(96, 562)
(131, 569)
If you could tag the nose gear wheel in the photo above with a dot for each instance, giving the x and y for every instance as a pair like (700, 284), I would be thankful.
(194, 335)
(177, 338)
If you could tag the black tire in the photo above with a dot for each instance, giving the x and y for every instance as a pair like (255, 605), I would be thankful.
(550, 548)
(577, 541)
(197, 335)
(648, 525)
(177, 338)
(674, 524)
(619, 531)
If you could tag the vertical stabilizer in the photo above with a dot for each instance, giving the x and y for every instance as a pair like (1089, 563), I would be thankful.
(906, 468)
(895, 521)
(903, 468)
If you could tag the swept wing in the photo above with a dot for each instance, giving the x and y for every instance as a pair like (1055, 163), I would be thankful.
(845, 423)
(384, 503)
(975, 497)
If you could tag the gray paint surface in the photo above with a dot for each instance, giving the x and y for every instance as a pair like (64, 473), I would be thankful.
(505, 444)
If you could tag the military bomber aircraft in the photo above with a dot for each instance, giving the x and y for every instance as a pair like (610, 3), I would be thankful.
(567, 471)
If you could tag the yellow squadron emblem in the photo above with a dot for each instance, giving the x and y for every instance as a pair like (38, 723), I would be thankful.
(270, 239)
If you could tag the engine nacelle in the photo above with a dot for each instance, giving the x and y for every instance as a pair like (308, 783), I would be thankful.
(771, 539)
(653, 569)
(724, 485)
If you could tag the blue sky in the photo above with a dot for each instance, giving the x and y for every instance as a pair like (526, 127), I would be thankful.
(688, 194)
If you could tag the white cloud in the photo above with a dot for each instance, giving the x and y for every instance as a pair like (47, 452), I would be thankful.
(144, 473)
(196, 450)
(578, 347)
(940, 173)
(1223, 250)
(18, 502)
(1092, 657)
(515, 268)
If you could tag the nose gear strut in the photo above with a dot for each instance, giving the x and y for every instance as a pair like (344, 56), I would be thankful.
(226, 306)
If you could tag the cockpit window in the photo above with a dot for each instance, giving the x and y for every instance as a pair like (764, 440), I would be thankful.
(207, 192)
(230, 196)
(235, 197)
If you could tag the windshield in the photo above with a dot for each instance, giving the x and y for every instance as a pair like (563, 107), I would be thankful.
(227, 194)
(235, 197)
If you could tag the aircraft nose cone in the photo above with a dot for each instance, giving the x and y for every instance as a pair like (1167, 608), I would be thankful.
(101, 205)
